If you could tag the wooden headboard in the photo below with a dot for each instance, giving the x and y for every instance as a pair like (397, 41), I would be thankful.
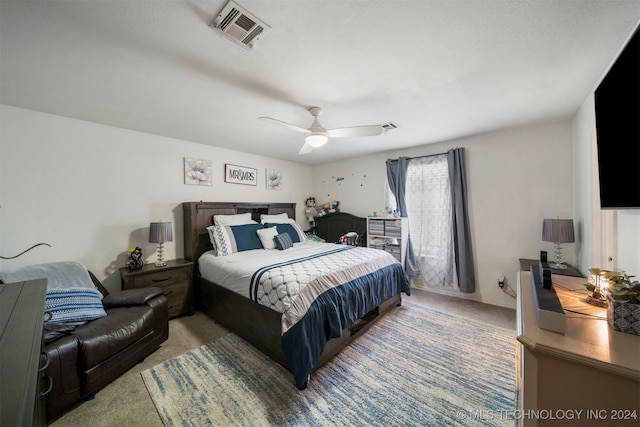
(199, 215)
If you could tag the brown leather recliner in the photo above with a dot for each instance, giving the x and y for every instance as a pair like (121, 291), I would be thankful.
(84, 359)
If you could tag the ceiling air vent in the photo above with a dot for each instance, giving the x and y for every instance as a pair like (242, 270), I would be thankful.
(238, 25)
(389, 126)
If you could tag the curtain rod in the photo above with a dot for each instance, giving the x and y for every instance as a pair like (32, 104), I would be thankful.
(421, 157)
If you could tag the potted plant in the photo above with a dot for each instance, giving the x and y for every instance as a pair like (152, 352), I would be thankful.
(623, 312)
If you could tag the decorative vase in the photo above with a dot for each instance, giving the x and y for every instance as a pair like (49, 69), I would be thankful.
(624, 316)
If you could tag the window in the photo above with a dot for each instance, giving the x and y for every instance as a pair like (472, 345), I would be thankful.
(428, 200)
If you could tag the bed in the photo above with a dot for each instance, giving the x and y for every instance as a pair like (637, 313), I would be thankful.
(301, 336)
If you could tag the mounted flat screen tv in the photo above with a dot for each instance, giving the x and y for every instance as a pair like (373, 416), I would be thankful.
(617, 108)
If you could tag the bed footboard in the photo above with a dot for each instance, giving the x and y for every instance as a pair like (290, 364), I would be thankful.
(256, 324)
(261, 326)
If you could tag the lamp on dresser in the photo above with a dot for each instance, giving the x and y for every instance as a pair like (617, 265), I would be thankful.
(160, 232)
(558, 231)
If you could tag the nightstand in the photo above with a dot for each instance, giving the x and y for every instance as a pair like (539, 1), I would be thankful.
(174, 278)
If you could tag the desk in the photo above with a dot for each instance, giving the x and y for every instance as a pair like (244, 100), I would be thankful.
(591, 368)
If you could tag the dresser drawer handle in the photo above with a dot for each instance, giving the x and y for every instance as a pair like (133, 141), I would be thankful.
(47, 360)
(161, 280)
(48, 378)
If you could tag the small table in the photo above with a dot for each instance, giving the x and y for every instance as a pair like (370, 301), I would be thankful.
(525, 265)
(174, 278)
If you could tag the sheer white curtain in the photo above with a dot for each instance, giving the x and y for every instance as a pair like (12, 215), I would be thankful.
(428, 200)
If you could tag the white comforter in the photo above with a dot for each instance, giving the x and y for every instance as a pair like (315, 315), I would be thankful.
(279, 288)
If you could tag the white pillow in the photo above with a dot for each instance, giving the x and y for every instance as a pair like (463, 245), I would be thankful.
(266, 236)
(277, 218)
(291, 227)
(237, 219)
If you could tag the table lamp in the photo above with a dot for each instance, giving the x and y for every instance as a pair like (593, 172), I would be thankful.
(558, 231)
(160, 232)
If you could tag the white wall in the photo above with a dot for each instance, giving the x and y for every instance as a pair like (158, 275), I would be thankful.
(590, 219)
(585, 187)
(629, 242)
(91, 190)
(516, 178)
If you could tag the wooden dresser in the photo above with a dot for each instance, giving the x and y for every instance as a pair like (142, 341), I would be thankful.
(21, 320)
(589, 376)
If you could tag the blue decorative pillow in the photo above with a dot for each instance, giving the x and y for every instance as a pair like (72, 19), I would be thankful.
(283, 241)
(294, 230)
(73, 305)
(230, 239)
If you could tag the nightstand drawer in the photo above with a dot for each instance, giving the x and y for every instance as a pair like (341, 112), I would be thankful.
(161, 278)
(177, 298)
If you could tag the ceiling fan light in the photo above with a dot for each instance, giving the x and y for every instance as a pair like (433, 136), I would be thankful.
(316, 139)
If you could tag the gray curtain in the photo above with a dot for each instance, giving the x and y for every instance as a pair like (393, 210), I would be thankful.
(461, 231)
(397, 178)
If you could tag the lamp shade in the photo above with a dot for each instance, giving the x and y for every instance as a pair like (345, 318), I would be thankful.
(160, 232)
(558, 231)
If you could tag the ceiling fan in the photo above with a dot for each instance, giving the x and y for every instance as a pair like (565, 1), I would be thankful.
(317, 136)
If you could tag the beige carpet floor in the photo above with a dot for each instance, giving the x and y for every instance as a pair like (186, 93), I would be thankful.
(126, 401)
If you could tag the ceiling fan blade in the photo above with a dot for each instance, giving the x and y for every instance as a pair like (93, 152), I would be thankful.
(370, 130)
(289, 125)
(306, 149)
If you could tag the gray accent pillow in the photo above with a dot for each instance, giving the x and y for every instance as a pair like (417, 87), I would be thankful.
(283, 241)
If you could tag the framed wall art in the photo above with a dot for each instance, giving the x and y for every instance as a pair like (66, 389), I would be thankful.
(274, 179)
(235, 174)
(197, 171)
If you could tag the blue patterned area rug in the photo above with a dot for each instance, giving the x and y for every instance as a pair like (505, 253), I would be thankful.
(413, 367)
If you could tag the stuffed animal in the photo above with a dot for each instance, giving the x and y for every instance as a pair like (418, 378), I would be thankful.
(311, 212)
(351, 238)
(329, 208)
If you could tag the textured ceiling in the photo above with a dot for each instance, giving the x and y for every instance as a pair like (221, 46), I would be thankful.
(439, 69)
